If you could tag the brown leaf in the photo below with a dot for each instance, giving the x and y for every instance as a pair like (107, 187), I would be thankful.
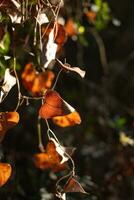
(60, 35)
(7, 121)
(68, 67)
(67, 120)
(54, 106)
(5, 173)
(35, 82)
(50, 159)
(73, 185)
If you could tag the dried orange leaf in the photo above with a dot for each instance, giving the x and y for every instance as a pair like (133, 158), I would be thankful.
(35, 82)
(50, 159)
(73, 185)
(7, 121)
(59, 32)
(67, 67)
(5, 173)
(54, 106)
(67, 120)
(12, 119)
(60, 150)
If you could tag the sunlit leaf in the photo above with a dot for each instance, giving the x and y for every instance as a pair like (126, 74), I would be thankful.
(73, 185)
(67, 120)
(36, 83)
(60, 150)
(51, 49)
(7, 121)
(5, 173)
(5, 43)
(9, 82)
(67, 67)
(51, 159)
(54, 106)
(53, 36)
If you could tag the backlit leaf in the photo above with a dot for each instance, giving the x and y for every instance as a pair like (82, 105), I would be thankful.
(73, 185)
(54, 106)
(68, 67)
(51, 159)
(36, 83)
(9, 82)
(7, 121)
(67, 120)
(5, 173)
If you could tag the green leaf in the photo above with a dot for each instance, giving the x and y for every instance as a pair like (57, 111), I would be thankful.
(5, 44)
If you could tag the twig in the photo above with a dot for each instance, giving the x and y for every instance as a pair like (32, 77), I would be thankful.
(40, 143)
(57, 78)
(102, 51)
(18, 85)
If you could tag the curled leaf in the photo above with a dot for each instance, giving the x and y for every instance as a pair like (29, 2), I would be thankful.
(73, 185)
(51, 49)
(67, 67)
(7, 121)
(59, 33)
(9, 82)
(60, 150)
(51, 159)
(54, 36)
(54, 106)
(5, 173)
(67, 120)
(35, 82)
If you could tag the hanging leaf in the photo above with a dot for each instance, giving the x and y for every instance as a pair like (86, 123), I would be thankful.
(7, 121)
(71, 28)
(73, 185)
(36, 83)
(51, 159)
(60, 150)
(59, 33)
(67, 120)
(54, 106)
(53, 37)
(51, 49)
(67, 67)
(5, 173)
(9, 82)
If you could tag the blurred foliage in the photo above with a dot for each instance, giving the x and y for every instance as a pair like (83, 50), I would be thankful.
(105, 99)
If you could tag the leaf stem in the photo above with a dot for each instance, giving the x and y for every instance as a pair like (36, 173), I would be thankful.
(40, 143)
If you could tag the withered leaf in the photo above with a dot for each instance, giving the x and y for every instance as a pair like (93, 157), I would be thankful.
(73, 185)
(67, 120)
(67, 67)
(7, 121)
(5, 173)
(54, 106)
